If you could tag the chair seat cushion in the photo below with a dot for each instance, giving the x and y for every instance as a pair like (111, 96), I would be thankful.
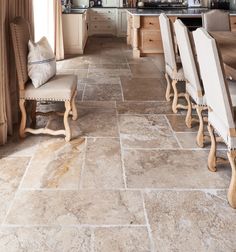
(232, 91)
(59, 88)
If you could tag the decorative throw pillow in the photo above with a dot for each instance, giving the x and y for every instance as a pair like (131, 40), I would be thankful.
(41, 62)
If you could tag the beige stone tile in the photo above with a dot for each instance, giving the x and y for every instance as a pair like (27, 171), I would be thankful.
(143, 89)
(56, 164)
(105, 106)
(188, 141)
(81, 73)
(102, 80)
(145, 70)
(103, 168)
(77, 207)
(111, 73)
(172, 169)
(121, 239)
(159, 61)
(129, 107)
(46, 239)
(146, 131)
(20, 147)
(190, 221)
(109, 66)
(102, 93)
(11, 172)
(177, 123)
(72, 63)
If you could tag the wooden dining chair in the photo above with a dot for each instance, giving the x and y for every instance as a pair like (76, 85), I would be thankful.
(173, 70)
(216, 20)
(194, 90)
(61, 88)
(221, 118)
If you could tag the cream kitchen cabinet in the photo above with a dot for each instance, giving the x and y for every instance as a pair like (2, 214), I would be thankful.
(75, 32)
(111, 3)
(121, 23)
(102, 21)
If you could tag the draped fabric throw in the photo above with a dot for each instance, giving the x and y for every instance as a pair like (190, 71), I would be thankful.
(8, 81)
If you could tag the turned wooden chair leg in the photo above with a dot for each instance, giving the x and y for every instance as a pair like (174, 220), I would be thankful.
(232, 187)
(175, 100)
(200, 133)
(66, 123)
(23, 118)
(188, 118)
(168, 88)
(73, 107)
(33, 114)
(212, 153)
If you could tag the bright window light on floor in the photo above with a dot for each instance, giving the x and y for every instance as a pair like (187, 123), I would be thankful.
(44, 20)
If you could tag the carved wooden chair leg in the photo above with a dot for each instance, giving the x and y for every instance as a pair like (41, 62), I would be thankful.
(232, 187)
(73, 107)
(175, 100)
(66, 123)
(168, 88)
(33, 114)
(23, 118)
(200, 133)
(212, 153)
(188, 118)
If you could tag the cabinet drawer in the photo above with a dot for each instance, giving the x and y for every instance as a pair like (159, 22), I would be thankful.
(103, 12)
(102, 26)
(102, 17)
(233, 23)
(150, 23)
(151, 41)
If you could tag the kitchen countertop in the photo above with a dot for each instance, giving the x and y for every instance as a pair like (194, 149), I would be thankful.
(190, 12)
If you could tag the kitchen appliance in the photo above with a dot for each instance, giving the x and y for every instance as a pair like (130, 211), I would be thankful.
(160, 4)
(194, 3)
(223, 5)
(95, 3)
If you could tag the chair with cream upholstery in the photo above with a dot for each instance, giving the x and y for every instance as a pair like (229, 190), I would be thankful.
(221, 118)
(61, 88)
(194, 90)
(216, 20)
(173, 69)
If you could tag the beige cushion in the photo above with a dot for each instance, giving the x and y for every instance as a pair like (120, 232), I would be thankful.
(175, 75)
(59, 88)
(41, 62)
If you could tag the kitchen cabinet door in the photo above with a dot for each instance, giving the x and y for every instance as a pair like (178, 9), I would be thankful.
(110, 3)
(122, 23)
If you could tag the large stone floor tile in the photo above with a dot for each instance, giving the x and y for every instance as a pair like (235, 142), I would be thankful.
(81, 73)
(111, 73)
(172, 169)
(134, 239)
(102, 93)
(11, 172)
(56, 164)
(77, 207)
(102, 80)
(146, 131)
(103, 167)
(191, 221)
(109, 66)
(177, 123)
(45, 239)
(143, 89)
(130, 107)
(145, 70)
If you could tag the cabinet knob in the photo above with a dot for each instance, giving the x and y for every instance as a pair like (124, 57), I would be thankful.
(150, 40)
(150, 23)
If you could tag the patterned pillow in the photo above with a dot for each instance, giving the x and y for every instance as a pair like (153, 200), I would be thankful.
(41, 62)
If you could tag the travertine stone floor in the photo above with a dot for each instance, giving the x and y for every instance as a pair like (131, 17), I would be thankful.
(131, 180)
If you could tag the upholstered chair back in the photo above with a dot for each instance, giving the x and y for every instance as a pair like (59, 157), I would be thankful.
(212, 73)
(187, 58)
(216, 20)
(168, 41)
(20, 31)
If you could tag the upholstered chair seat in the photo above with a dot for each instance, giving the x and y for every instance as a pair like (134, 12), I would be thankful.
(65, 86)
(177, 74)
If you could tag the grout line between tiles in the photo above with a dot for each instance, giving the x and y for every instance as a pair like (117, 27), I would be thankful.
(151, 242)
(122, 93)
(121, 150)
(83, 165)
(177, 140)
